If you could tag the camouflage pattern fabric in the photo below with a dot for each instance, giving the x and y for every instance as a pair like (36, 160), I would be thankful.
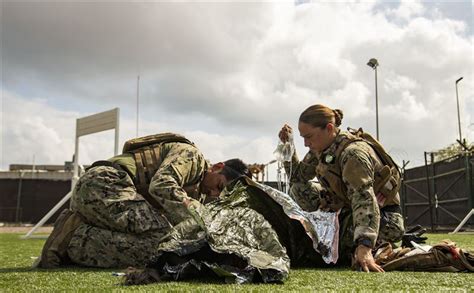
(219, 230)
(301, 171)
(106, 198)
(357, 167)
(357, 175)
(391, 227)
(178, 178)
(250, 233)
(96, 247)
(306, 195)
(121, 227)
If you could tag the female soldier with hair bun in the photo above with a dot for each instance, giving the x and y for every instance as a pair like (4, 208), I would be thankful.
(356, 176)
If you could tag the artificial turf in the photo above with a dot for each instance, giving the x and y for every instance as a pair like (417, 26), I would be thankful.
(16, 257)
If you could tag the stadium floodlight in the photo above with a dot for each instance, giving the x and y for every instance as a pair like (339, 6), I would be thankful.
(374, 64)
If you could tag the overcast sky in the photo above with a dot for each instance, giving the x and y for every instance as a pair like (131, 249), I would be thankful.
(229, 75)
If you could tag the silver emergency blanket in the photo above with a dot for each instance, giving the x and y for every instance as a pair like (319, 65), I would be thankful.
(322, 227)
(249, 234)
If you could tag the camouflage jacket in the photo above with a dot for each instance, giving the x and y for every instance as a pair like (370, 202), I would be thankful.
(178, 177)
(357, 163)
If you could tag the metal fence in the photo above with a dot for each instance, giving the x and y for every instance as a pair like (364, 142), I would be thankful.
(28, 200)
(439, 194)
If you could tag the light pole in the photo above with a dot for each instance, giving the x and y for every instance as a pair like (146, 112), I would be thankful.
(374, 64)
(457, 101)
(138, 99)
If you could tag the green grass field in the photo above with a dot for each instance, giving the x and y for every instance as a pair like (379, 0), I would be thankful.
(16, 275)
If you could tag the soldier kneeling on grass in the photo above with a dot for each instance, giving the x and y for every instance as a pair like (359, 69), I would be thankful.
(356, 177)
(122, 207)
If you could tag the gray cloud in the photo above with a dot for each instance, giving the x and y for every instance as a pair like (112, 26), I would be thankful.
(233, 72)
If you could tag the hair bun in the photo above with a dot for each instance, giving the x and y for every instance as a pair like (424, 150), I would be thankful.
(338, 115)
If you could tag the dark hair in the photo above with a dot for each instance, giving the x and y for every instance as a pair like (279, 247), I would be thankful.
(320, 116)
(235, 168)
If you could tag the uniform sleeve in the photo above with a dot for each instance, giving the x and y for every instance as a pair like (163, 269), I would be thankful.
(358, 176)
(183, 165)
(301, 171)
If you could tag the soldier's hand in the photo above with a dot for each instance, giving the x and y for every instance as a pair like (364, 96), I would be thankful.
(363, 257)
(285, 132)
(415, 235)
(191, 203)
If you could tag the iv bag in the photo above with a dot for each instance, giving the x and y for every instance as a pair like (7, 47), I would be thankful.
(284, 150)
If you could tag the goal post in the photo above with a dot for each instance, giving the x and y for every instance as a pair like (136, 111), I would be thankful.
(86, 125)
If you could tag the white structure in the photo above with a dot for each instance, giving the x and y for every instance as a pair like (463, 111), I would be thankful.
(93, 124)
(463, 222)
(86, 125)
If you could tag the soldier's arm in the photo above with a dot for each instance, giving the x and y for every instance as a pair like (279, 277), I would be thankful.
(183, 165)
(301, 171)
(358, 176)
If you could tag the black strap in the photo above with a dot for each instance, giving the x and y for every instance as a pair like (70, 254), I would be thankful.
(109, 164)
(392, 209)
(100, 163)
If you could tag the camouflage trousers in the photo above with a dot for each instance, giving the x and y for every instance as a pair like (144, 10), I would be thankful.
(391, 228)
(121, 228)
(96, 247)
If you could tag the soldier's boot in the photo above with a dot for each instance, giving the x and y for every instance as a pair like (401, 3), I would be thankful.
(54, 251)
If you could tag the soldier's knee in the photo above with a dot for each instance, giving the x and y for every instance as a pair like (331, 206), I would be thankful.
(400, 227)
(393, 229)
(306, 195)
(295, 188)
(305, 188)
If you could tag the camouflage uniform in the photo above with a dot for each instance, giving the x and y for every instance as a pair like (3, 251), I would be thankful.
(360, 216)
(121, 227)
(96, 247)
(306, 194)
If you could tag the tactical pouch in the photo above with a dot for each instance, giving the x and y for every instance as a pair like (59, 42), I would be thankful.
(378, 148)
(388, 179)
(387, 182)
(140, 142)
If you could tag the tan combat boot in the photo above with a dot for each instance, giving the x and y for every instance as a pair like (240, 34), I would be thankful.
(54, 251)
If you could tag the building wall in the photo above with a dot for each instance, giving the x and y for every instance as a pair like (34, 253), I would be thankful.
(36, 194)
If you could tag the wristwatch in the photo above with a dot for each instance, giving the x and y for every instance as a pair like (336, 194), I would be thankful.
(365, 241)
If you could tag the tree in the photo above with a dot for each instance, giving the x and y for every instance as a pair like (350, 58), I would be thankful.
(453, 150)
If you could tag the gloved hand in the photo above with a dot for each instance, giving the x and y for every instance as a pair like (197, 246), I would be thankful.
(414, 234)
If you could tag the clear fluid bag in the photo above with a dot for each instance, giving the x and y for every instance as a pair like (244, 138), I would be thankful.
(284, 150)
